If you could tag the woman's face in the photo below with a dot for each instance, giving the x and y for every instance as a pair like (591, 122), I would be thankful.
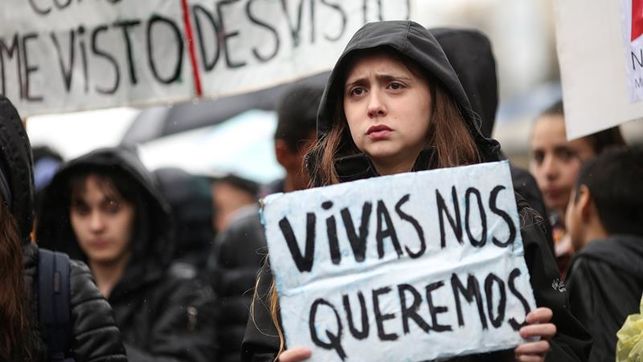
(555, 162)
(388, 109)
(102, 222)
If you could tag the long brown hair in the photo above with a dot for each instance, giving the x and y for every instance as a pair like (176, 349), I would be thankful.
(448, 135)
(16, 343)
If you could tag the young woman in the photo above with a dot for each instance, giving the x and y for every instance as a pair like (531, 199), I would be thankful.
(555, 163)
(394, 104)
(94, 335)
(104, 208)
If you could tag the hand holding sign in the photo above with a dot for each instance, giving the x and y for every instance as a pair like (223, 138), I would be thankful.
(434, 261)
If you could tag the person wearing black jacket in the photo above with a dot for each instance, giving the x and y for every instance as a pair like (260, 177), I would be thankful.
(345, 152)
(604, 220)
(239, 250)
(94, 335)
(104, 208)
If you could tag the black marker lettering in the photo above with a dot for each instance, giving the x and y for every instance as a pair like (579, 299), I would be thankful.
(304, 263)
(494, 208)
(416, 225)
(380, 318)
(483, 218)
(472, 291)
(435, 310)
(334, 340)
(208, 62)
(411, 311)
(101, 53)
(456, 223)
(255, 20)
(358, 242)
(349, 316)
(496, 321)
(385, 231)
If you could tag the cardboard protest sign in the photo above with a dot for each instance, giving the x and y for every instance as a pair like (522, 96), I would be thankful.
(600, 50)
(69, 55)
(409, 267)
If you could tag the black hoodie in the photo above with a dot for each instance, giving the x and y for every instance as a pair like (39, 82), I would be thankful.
(162, 318)
(418, 44)
(605, 282)
(95, 336)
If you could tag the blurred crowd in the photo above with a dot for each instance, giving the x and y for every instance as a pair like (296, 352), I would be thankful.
(163, 263)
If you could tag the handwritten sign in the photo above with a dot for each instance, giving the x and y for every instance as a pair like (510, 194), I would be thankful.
(408, 267)
(69, 55)
(600, 51)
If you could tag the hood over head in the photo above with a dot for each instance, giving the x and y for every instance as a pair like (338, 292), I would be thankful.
(152, 240)
(469, 52)
(413, 41)
(16, 180)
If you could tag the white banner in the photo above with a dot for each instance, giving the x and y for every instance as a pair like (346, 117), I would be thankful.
(409, 267)
(600, 52)
(69, 55)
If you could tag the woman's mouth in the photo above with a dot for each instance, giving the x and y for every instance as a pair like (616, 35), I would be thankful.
(378, 132)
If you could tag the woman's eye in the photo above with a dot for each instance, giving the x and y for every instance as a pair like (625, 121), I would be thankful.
(356, 91)
(395, 85)
(112, 207)
(80, 209)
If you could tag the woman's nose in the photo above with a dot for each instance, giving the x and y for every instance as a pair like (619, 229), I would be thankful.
(550, 167)
(376, 106)
(96, 222)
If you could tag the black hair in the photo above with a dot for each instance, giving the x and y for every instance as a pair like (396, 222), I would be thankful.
(240, 183)
(614, 181)
(599, 141)
(124, 186)
(297, 115)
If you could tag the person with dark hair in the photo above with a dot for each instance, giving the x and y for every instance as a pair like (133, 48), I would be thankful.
(190, 200)
(93, 332)
(394, 104)
(231, 193)
(104, 208)
(555, 163)
(239, 250)
(605, 222)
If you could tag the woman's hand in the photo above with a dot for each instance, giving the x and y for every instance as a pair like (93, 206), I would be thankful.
(295, 354)
(538, 326)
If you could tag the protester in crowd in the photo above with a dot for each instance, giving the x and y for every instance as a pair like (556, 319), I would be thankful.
(605, 222)
(190, 201)
(555, 163)
(395, 75)
(104, 208)
(238, 251)
(94, 335)
(470, 53)
(229, 194)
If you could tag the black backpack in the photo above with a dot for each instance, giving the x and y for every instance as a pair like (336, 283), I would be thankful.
(54, 308)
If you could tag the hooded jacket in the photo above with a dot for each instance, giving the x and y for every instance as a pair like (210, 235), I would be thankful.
(416, 43)
(605, 282)
(161, 317)
(95, 336)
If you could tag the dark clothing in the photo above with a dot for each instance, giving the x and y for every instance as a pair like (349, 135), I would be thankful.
(605, 282)
(95, 336)
(417, 44)
(162, 318)
(236, 257)
(190, 199)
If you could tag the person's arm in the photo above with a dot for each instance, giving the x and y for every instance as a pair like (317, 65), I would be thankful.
(95, 335)
(571, 341)
(184, 328)
(261, 340)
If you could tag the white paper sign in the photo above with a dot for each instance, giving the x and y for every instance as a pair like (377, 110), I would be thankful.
(70, 55)
(600, 63)
(408, 267)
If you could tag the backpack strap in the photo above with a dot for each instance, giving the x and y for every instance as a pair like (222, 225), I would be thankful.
(53, 305)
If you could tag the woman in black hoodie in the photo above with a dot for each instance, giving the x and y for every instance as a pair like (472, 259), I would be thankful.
(93, 333)
(393, 104)
(104, 208)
